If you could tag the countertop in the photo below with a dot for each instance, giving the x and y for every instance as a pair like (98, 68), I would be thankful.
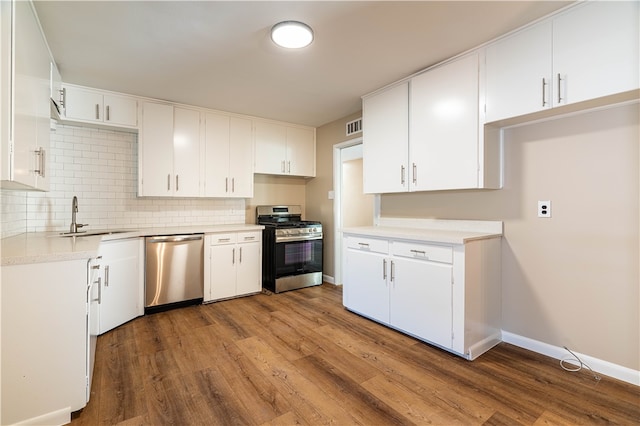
(37, 247)
(447, 236)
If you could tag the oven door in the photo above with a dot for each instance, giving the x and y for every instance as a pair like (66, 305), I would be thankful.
(298, 257)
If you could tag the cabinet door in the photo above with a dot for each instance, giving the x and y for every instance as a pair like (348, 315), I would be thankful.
(385, 149)
(301, 152)
(443, 130)
(518, 73)
(82, 104)
(366, 289)
(595, 50)
(120, 286)
(270, 148)
(120, 110)
(216, 128)
(31, 72)
(241, 157)
(186, 152)
(223, 271)
(249, 268)
(156, 150)
(421, 299)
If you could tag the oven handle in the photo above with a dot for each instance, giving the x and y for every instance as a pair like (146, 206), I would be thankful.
(297, 238)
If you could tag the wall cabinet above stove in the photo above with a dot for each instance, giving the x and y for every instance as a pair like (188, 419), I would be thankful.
(282, 149)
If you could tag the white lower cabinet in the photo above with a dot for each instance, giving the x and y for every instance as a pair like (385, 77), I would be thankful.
(120, 283)
(45, 345)
(444, 294)
(233, 265)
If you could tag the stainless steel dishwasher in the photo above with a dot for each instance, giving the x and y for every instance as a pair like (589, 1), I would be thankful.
(174, 271)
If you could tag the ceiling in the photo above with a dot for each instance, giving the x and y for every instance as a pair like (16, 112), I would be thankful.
(218, 54)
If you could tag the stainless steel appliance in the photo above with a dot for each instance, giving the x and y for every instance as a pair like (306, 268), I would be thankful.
(291, 249)
(174, 271)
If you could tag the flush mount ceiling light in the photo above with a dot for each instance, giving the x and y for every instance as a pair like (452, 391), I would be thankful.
(292, 34)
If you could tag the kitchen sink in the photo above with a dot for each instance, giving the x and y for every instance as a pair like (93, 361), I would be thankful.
(91, 233)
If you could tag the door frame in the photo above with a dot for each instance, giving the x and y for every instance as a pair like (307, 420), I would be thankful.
(337, 205)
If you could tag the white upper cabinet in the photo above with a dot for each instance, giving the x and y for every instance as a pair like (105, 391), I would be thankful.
(385, 127)
(284, 150)
(96, 106)
(443, 127)
(425, 135)
(25, 110)
(518, 78)
(587, 52)
(228, 156)
(169, 151)
(596, 51)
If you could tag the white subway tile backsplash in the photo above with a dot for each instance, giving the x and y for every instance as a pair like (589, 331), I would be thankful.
(100, 168)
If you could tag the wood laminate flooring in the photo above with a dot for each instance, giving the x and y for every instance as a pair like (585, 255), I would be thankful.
(300, 358)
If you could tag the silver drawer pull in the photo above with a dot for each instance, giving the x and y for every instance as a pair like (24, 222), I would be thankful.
(224, 240)
(422, 252)
(249, 238)
(363, 244)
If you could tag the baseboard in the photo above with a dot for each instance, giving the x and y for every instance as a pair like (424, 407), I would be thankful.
(604, 367)
(328, 279)
(58, 417)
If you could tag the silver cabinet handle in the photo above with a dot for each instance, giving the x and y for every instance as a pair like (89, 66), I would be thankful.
(402, 175)
(177, 181)
(224, 240)
(169, 182)
(107, 113)
(240, 256)
(40, 153)
(415, 174)
(544, 87)
(384, 269)
(288, 166)
(249, 238)
(363, 245)
(226, 184)
(99, 282)
(233, 184)
(63, 96)
(106, 276)
(233, 256)
(392, 271)
(559, 90)
(97, 111)
(417, 251)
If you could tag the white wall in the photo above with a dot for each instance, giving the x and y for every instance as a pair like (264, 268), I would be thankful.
(100, 168)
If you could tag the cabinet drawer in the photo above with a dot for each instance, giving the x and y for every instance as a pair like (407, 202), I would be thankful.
(225, 238)
(249, 237)
(430, 252)
(368, 244)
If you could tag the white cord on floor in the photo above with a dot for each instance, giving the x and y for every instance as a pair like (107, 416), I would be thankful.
(579, 367)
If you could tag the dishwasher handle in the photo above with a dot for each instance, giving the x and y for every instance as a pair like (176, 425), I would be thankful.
(174, 238)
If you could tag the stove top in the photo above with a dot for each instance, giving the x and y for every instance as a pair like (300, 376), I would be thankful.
(285, 217)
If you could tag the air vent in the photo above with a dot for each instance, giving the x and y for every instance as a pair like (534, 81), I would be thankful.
(354, 126)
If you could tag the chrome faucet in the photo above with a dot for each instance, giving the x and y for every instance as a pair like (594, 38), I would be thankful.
(74, 209)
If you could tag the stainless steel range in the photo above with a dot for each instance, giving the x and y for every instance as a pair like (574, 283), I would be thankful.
(291, 248)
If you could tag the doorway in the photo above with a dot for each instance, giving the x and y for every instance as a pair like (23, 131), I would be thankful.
(351, 206)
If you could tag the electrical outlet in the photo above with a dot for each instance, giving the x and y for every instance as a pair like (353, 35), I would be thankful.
(544, 208)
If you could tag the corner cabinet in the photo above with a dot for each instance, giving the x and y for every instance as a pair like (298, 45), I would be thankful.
(25, 103)
(589, 51)
(93, 106)
(169, 151)
(447, 295)
(228, 156)
(425, 134)
(284, 150)
(233, 265)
